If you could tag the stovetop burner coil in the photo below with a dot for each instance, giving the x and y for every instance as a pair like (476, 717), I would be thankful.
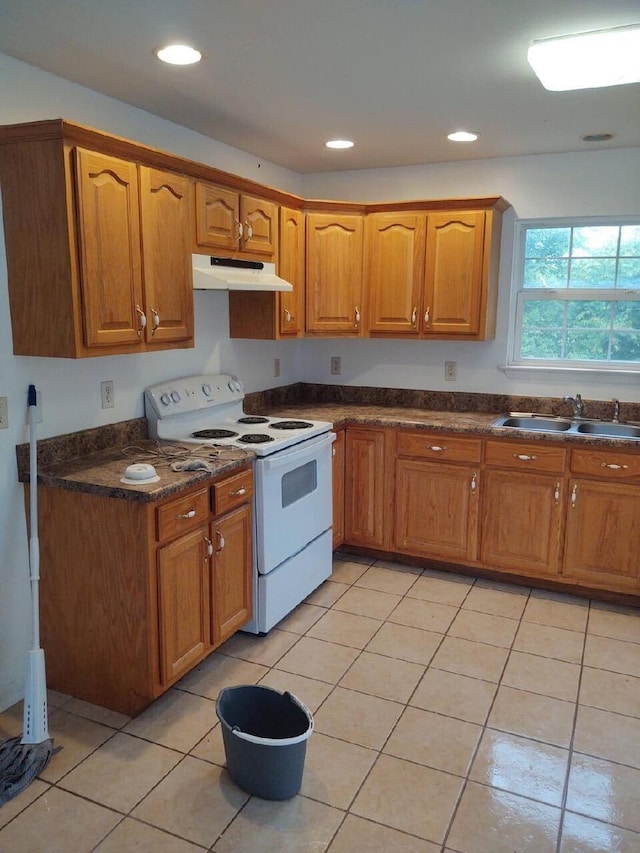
(291, 425)
(214, 433)
(253, 419)
(255, 438)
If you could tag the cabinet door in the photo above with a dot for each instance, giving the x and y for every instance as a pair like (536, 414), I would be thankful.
(291, 267)
(394, 271)
(259, 226)
(522, 521)
(436, 510)
(232, 573)
(110, 257)
(217, 217)
(454, 273)
(183, 602)
(338, 489)
(603, 534)
(364, 503)
(334, 273)
(166, 253)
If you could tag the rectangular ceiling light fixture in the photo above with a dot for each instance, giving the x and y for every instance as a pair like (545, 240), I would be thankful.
(588, 60)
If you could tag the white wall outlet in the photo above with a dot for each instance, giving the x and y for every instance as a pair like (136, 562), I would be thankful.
(276, 367)
(336, 365)
(4, 413)
(107, 394)
(450, 370)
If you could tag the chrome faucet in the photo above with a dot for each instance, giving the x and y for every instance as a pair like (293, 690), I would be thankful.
(616, 410)
(578, 405)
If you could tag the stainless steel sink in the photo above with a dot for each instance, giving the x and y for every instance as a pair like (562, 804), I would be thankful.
(533, 422)
(549, 423)
(609, 428)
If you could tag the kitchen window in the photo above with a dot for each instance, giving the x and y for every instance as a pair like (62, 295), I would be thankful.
(576, 297)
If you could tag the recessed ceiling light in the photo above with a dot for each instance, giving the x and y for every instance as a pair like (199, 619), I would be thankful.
(588, 60)
(339, 143)
(178, 54)
(462, 136)
(597, 137)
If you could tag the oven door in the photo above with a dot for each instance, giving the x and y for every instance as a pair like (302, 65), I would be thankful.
(293, 500)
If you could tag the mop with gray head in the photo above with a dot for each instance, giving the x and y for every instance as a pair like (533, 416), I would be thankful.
(22, 759)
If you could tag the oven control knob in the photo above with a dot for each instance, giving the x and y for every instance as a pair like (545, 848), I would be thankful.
(175, 396)
(165, 399)
(232, 385)
(207, 390)
(239, 386)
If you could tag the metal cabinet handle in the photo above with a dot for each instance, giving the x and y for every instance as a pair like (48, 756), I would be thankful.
(414, 316)
(427, 315)
(190, 514)
(287, 315)
(574, 496)
(523, 457)
(613, 466)
(240, 230)
(556, 494)
(221, 541)
(142, 320)
(156, 320)
(437, 448)
(249, 230)
(357, 317)
(240, 491)
(474, 483)
(209, 547)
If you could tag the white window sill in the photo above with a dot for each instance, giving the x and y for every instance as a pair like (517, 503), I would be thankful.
(515, 371)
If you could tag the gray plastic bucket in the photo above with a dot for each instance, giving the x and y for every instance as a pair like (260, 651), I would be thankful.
(265, 735)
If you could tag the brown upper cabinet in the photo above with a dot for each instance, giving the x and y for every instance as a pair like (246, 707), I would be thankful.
(97, 252)
(433, 275)
(334, 274)
(234, 223)
(274, 315)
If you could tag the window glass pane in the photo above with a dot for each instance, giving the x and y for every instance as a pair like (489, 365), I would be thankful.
(627, 315)
(628, 273)
(538, 343)
(625, 346)
(546, 273)
(587, 346)
(595, 241)
(589, 315)
(543, 313)
(547, 242)
(630, 241)
(593, 272)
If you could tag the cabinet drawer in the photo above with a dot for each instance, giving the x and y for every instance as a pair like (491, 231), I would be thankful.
(182, 514)
(232, 492)
(525, 457)
(427, 445)
(609, 464)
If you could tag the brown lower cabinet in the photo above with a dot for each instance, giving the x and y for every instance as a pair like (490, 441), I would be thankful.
(544, 510)
(136, 594)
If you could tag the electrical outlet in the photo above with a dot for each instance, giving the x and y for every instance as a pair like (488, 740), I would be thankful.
(276, 367)
(450, 370)
(336, 365)
(4, 413)
(107, 394)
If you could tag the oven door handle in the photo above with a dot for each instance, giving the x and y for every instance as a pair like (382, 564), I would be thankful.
(284, 457)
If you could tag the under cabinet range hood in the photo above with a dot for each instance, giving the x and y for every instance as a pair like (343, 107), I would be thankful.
(211, 273)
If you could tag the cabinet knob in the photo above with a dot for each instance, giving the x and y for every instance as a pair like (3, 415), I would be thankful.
(574, 496)
(474, 482)
(613, 465)
(427, 315)
(209, 547)
(357, 317)
(221, 541)
(287, 315)
(414, 316)
(556, 494)
(438, 448)
(248, 230)
(240, 491)
(524, 457)
(142, 320)
(156, 320)
(240, 230)
(190, 514)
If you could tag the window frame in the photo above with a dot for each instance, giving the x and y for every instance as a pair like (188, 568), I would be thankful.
(520, 295)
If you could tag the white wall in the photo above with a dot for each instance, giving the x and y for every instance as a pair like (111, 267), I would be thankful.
(605, 182)
(583, 184)
(70, 390)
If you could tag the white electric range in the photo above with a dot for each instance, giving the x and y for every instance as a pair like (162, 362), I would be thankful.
(292, 482)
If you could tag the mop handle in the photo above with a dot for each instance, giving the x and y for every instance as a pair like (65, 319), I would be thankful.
(34, 545)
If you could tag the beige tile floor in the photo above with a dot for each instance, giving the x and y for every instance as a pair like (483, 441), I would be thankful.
(450, 715)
